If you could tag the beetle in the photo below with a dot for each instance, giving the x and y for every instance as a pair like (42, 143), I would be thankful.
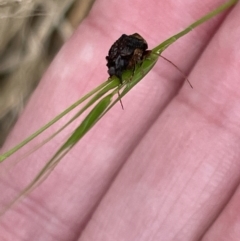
(125, 53)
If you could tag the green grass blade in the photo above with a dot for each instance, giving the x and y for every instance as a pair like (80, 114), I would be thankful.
(111, 85)
(83, 128)
(58, 117)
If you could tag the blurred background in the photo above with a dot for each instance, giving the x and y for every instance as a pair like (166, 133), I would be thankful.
(31, 33)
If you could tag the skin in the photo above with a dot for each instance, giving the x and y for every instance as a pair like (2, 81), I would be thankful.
(165, 168)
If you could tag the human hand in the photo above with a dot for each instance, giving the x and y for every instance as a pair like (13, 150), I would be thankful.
(167, 166)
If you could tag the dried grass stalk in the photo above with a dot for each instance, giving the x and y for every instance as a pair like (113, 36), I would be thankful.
(32, 32)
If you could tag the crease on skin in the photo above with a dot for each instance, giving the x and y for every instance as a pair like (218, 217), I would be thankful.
(220, 212)
(171, 208)
(216, 170)
(95, 223)
(205, 204)
(32, 209)
(205, 116)
(9, 230)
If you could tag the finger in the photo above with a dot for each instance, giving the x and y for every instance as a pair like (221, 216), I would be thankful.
(226, 226)
(224, 94)
(180, 177)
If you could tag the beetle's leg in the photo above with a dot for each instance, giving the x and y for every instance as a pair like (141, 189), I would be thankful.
(120, 99)
(133, 63)
(121, 82)
(140, 55)
(139, 63)
(133, 72)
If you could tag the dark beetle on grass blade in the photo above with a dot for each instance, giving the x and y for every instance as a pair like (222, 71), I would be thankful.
(125, 53)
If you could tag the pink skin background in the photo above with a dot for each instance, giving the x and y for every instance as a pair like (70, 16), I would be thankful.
(168, 166)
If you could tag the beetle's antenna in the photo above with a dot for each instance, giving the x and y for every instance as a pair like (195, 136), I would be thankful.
(184, 75)
(120, 99)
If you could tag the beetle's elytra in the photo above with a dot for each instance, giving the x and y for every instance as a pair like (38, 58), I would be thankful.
(125, 53)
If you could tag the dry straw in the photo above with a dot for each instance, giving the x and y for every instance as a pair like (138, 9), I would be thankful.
(32, 31)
